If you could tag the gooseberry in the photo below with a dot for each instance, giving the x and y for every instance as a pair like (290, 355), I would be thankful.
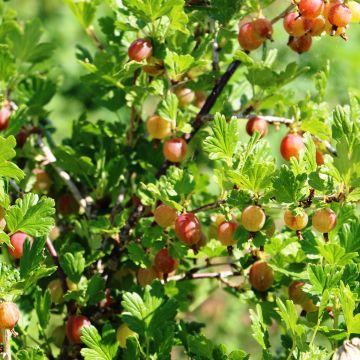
(165, 215)
(74, 325)
(324, 220)
(17, 241)
(261, 276)
(291, 145)
(188, 229)
(253, 218)
(175, 150)
(157, 127)
(140, 50)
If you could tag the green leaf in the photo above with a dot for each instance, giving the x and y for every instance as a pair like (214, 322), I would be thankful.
(7, 63)
(177, 65)
(73, 265)
(347, 300)
(334, 254)
(7, 152)
(168, 107)
(95, 291)
(30, 354)
(83, 10)
(31, 215)
(258, 327)
(221, 145)
(322, 278)
(42, 307)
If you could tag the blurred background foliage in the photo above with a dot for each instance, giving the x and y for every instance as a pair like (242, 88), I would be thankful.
(227, 320)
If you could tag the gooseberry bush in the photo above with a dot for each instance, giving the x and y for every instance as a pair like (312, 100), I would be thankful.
(112, 238)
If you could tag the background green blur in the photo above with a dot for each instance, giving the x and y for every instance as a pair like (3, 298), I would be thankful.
(226, 319)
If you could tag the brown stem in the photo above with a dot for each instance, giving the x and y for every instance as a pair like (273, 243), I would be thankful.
(211, 206)
(211, 275)
(282, 14)
(91, 33)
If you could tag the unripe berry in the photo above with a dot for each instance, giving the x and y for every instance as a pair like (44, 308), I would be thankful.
(158, 128)
(71, 285)
(42, 182)
(295, 25)
(140, 50)
(9, 315)
(185, 96)
(263, 28)
(122, 333)
(56, 291)
(355, 11)
(339, 15)
(253, 218)
(310, 9)
(226, 232)
(247, 37)
(175, 150)
(73, 327)
(188, 229)
(300, 44)
(147, 276)
(17, 241)
(4, 117)
(257, 124)
(324, 220)
(164, 262)
(261, 276)
(165, 216)
(295, 222)
(291, 145)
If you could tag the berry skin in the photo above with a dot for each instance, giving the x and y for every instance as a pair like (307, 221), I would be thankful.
(164, 262)
(300, 44)
(185, 96)
(56, 291)
(263, 28)
(188, 229)
(147, 276)
(4, 117)
(9, 315)
(42, 182)
(295, 25)
(298, 296)
(256, 124)
(73, 327)
(339, 15)
(291, 145)
(165, 216)
(253, 218)
(122, 333)
(295, 222)
(66, 205)
(17, 241)
(355, 11)
(324, 220)
(226, 232)
(140, 50)
(311, 9)
(317, 26)
(261, 276)
(158, 128)
(247, 37)
(175, 150)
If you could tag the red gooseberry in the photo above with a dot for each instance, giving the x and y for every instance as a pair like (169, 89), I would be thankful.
(140, 50)
(17, 241)
(295, 25)
(310, 9)
(147, 276)
(175, 150)
(261, 276)
(225, 232)
(300, 44)
(291, 145)
(164, 262)
(165, 216)
(9, 315)
(257, 124)
(4, 117)
(339, 15)
(247, 37)
(74, 325)
(263, 28)
(324, 220)
(188, 229)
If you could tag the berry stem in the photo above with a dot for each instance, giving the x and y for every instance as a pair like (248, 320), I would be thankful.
(282, 14)
(210, 206)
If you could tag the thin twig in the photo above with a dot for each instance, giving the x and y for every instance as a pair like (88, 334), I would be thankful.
(282, 14)
(211, 275)
(51, 159)
(91, 33)
(211, 206)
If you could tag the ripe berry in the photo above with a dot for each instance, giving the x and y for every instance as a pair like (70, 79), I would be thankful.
(42, 182)
(4, 117)
(310, 9)
(140, 50)
(17, 241)
(56, 291)
(298, 296)
(291, 145)
(295, 222)
(257, 124)
(73, 327)
(295, 25)
(328, 6)
(317, 26)
(355, 11)
(226, 232)
(66, 205)
(300, 44)
(319, 158)
(324, 220)
(9, 315)
(158, 128)
(261, 276)
(247, 37)
(147, 276)
(339, 15)
(185, 96)
(165, 216)
(122, 333)
(253, 218)
(188, 229)
(164, 262)
(175, 150)
(263, 28)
